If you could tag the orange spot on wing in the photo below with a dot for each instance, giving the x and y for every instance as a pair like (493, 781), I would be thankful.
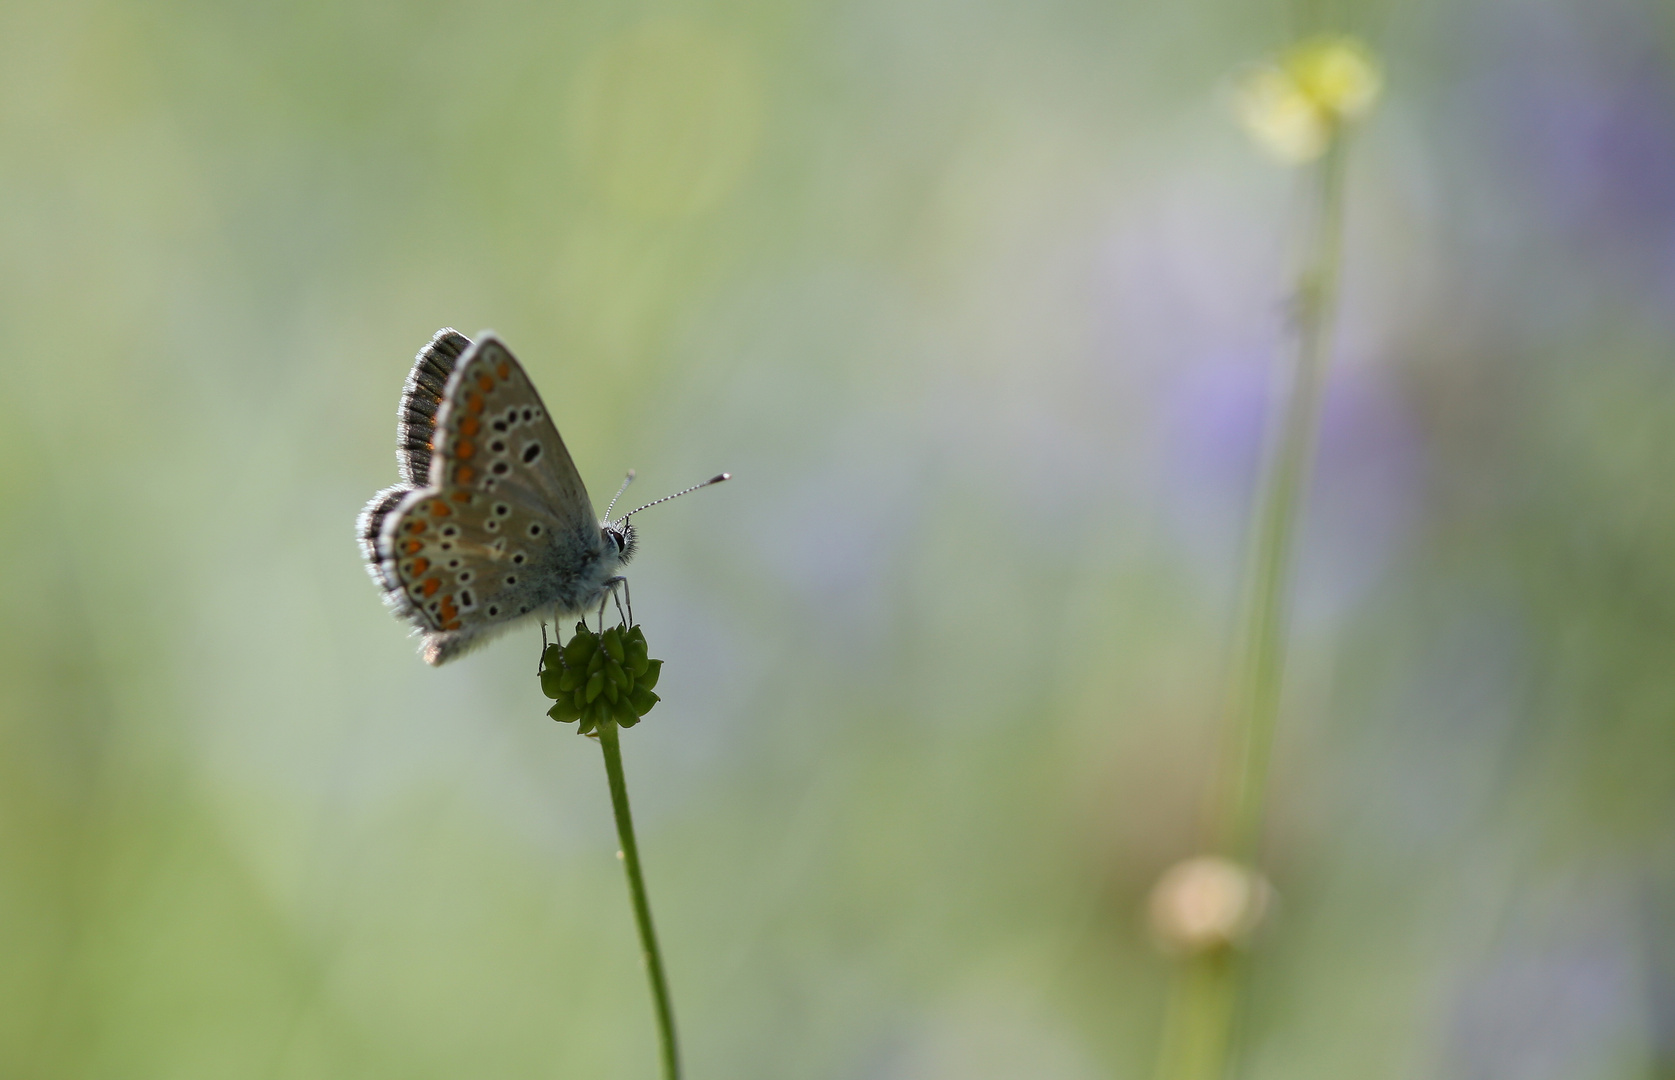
(461, 496)
(464, 449)
(486, 383)
(463, 474)
(504, 370)
(439, 509)
(415, 526)
(430, 586)
(468, 426)
(420, 566)
(454, 625)
(448, 611)
(474, 402)
(413, 547)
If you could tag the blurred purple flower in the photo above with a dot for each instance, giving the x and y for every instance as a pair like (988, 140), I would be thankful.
(1583, 107)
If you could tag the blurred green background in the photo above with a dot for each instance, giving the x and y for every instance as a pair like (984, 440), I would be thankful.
(981, 303)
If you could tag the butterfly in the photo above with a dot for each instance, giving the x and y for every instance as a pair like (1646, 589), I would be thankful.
(491, 524)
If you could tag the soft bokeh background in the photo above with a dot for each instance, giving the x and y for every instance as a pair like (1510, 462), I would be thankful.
(982, 303)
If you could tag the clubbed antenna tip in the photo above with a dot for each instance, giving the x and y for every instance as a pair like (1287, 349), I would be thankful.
(716, 479)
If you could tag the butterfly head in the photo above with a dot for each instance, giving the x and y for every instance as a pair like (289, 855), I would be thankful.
(619, 538)
(619, 535)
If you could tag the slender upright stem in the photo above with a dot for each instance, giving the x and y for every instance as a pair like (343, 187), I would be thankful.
(1198, 1021)
(1255, 692)
(1203, 1008)
(642, 907)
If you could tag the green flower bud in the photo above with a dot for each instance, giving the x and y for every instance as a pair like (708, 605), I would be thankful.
(581, 647)
(600, 679)
(552, 666)
(612, 643)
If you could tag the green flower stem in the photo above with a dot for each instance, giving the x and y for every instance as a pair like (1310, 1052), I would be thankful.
(1258, 681)
(642, 907)
(1204, 1003)
(1198, 1023)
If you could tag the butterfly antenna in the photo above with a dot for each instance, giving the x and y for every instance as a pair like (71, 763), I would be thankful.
(716, 479)
(629, 479)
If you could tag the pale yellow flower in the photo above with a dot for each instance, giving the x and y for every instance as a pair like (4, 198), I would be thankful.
(1294, 106)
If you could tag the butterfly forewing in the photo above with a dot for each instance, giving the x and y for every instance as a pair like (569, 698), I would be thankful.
(475, 547)
(496, 433)
(420, 398)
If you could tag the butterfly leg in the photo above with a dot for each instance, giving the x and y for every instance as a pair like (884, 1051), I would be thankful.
(611, 584)
(541, 664)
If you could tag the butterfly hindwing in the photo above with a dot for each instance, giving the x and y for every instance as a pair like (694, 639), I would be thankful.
(371, 525)
(421, 396)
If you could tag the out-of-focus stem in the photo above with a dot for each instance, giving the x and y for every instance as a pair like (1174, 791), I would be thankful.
(642, 906)
(1255, 692)
(1198, 1022)
(1203, 1007)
